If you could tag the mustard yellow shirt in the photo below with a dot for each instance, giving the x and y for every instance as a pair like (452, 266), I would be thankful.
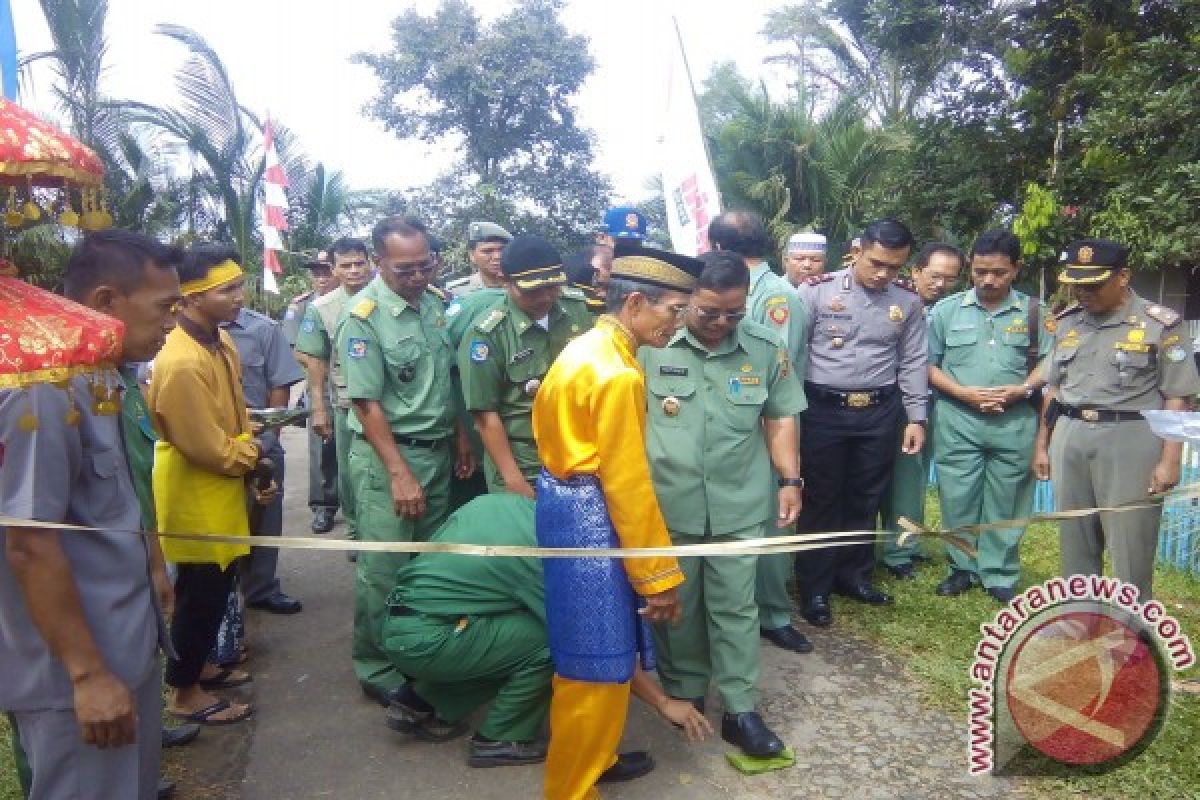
(589, 418)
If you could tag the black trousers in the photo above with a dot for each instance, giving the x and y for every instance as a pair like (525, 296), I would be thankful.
(201, 593)
(847, 456)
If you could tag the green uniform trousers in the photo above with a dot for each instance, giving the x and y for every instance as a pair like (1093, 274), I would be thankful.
(342, 437)
(457, 669)
(526, 454)
(377, 522)
(983, 469)
(20, 762)
(906, 497)
(772, 573)
(1106, 464)
(716, 639)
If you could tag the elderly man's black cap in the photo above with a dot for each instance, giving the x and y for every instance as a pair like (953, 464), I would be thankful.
(531, 262)
(660, 268)
(1089, 261)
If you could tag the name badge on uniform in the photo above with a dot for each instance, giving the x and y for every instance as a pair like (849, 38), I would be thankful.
(749, 380)
(679, 372)
(521, 355)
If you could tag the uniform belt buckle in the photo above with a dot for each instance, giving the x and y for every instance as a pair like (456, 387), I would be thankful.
(1089, 415)
(858, 399)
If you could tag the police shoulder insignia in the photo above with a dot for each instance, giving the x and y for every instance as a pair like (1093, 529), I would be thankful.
(1163, 315)
(489, 323)
(363, 308)
(1071, 309)
(356, 348)
(817, 280)
(480, 350)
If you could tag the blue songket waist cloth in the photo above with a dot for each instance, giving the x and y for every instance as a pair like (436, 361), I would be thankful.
(594, 629)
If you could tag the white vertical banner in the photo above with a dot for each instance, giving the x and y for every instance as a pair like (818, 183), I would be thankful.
(689, 188)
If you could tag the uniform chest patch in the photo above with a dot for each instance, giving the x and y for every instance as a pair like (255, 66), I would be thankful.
(356, 348)
(678, 372)
(479, 351)
(1175, 353)
(1136, 335)
(896, 314)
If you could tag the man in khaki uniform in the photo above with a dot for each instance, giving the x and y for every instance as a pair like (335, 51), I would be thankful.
(503, 358)
(396, 358)
(1115, 355)
(773, 303)
(721, 406)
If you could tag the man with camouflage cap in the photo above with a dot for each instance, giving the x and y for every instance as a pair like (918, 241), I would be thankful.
(1115, 355)
(504, 357)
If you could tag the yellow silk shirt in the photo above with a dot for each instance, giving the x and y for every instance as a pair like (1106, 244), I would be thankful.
(589, 418)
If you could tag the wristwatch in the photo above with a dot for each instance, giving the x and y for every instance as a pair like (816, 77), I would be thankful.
(797, 482)
(1028, 390)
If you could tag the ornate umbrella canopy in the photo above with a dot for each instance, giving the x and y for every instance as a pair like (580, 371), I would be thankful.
(35, 154)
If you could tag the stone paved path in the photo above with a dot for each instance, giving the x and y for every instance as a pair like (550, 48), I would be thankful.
(847, 710)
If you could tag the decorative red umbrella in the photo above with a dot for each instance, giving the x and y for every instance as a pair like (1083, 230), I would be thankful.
(36, 154)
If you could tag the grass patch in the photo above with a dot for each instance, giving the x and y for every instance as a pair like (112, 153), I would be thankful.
(937, 636)
(9, 788)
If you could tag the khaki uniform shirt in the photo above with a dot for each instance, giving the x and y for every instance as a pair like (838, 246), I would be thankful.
(704, 437)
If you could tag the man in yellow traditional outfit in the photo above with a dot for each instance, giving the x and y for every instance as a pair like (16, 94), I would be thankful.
(204, 452)
(589, 419)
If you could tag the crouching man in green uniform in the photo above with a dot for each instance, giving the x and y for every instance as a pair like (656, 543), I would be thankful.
(470, 630)
(504, 356)
(721, 406)
(396, 361)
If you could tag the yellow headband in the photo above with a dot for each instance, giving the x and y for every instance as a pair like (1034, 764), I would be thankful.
(219, 275)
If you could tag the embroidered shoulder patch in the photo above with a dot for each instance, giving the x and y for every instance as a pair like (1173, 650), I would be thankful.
(356, 348)
(479, 351)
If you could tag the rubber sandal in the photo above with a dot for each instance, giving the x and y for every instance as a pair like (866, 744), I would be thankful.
(205, 715)
(222, 680)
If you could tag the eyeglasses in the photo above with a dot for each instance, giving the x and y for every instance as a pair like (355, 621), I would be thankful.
(678, 309)
(412, 272)
(708, 315)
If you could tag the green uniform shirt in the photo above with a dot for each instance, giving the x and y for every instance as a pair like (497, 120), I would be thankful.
(399, 355)
(704, 437)
(138, 432)
(1127, 360)
(503, 358)
(773, 303)
(977, 347)
(318, 332)
(465, 311)
(446, 584)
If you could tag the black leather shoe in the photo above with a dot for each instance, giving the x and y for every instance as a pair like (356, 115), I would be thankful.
(322, 521)
(166, 788)
(866, 593)
(278, 603)
(788, 638)
(749, 732)
(628, 767)
(903, 572)
(385, 697)
(1002, 594)
(817, 611)
(958, 582)
(180, 735)
(486, 753)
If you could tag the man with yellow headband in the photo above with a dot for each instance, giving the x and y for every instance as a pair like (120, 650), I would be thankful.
(505, 356)
(204, 452)
(589, 419)
(1115, 355)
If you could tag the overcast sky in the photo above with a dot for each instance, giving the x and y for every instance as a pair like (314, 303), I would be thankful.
(292, 59)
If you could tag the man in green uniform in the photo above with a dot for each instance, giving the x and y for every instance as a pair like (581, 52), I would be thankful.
(721, 405)
(772, 303)
(316, 351)
(984, 346)
(1115, 355)
(396, 360)
(504, 357)
(935, 271)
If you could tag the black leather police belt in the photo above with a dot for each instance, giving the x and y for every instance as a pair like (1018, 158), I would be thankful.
(1097, 415)
(848, 398)
(425, 444)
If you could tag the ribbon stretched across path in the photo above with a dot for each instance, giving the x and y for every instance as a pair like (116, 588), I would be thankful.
(791, 543)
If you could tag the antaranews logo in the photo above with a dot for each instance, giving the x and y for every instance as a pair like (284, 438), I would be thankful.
(1075, 669)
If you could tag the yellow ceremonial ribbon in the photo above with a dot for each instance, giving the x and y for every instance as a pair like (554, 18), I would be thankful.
(225, 272)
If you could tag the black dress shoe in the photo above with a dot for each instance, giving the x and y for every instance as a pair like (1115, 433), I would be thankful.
(166, 788)
(958, 582)
(385, 697)
(817, 612)
(628, 767)
(865, 593)
(322, 521)
(749, 732)
(904, 572)
(487, 753)
(1002, 594)
(278, 603)
(180, 734)
(788, 638)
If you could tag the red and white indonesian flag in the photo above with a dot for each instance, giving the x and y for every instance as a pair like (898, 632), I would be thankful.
(688, 184)
(274, 208)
